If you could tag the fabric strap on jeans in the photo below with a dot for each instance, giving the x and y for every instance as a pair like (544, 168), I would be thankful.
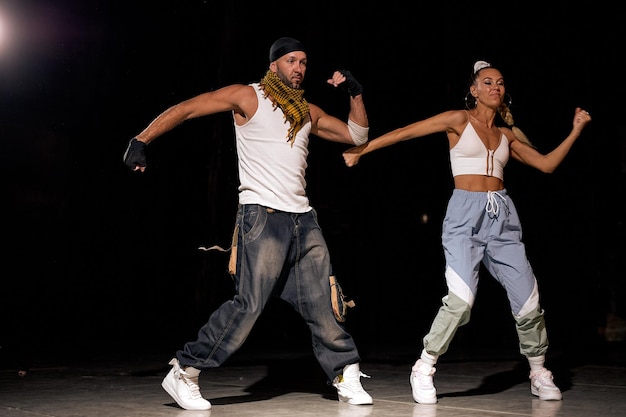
(232, 261)
(339, 302)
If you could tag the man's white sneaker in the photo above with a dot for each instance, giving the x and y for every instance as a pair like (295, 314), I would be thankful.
(424, 391)
(182, 386)
(349, 386)
(542, 386)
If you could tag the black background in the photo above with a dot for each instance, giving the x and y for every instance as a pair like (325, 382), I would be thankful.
(97, 255)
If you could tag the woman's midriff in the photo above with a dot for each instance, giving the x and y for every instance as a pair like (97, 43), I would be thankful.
(478, 183)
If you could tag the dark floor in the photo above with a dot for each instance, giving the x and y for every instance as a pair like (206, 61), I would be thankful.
(292, 384)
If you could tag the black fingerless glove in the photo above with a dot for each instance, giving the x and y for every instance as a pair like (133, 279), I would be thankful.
(135, 155)
(351, 85)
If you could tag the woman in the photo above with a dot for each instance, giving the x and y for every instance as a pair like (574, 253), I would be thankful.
(481, 223)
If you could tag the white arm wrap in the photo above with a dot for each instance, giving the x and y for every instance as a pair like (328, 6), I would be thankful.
(358, 133)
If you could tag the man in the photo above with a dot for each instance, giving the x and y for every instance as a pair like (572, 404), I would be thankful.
(278, 247)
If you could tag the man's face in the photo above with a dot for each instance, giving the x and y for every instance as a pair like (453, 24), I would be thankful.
(290, 68)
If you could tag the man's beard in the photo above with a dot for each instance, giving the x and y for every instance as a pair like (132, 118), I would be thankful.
(287, 81)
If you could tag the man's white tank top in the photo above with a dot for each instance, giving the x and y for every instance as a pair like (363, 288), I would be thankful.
(271, 170)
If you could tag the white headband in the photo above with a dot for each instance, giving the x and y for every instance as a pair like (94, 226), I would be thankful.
(478, 65)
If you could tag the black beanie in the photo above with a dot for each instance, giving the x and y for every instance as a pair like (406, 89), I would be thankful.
(283, 46)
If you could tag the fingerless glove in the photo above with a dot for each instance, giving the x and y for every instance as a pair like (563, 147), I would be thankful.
(351, 85)
(135, 155)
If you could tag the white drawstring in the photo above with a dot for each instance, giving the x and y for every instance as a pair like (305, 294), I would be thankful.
(492, 204)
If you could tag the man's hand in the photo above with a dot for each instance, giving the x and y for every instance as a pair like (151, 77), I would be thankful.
(135, 156)
(346, 81)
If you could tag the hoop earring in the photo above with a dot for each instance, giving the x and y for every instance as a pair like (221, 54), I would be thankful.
(470, 101)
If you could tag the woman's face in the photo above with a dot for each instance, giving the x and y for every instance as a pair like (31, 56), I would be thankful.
(489, 87)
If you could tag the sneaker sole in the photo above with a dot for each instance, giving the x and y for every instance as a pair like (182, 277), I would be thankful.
(424, 400)
(556, 396)
(347, 400)
(550, 396)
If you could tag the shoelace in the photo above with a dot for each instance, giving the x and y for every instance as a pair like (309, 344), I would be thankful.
(544, 375)
(192, 383)
(492, 206)
(425, 380)
(355, 383)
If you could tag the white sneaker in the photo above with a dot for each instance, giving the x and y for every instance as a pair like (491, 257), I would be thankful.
(424, 391)
(349, 386)
(542, 386)
(182, 386)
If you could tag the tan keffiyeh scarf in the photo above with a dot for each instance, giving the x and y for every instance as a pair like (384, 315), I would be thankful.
(290, 100)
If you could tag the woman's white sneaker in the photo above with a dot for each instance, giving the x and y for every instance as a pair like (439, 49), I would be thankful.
(542, 386)
(422, 386)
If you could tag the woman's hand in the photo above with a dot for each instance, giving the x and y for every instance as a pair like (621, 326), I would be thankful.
(581, 118)
(352, 155)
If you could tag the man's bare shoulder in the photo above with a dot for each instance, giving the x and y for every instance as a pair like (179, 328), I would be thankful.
(315, 112)
(242, 98)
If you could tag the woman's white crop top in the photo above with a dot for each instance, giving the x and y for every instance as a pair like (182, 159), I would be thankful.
(471, 156)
